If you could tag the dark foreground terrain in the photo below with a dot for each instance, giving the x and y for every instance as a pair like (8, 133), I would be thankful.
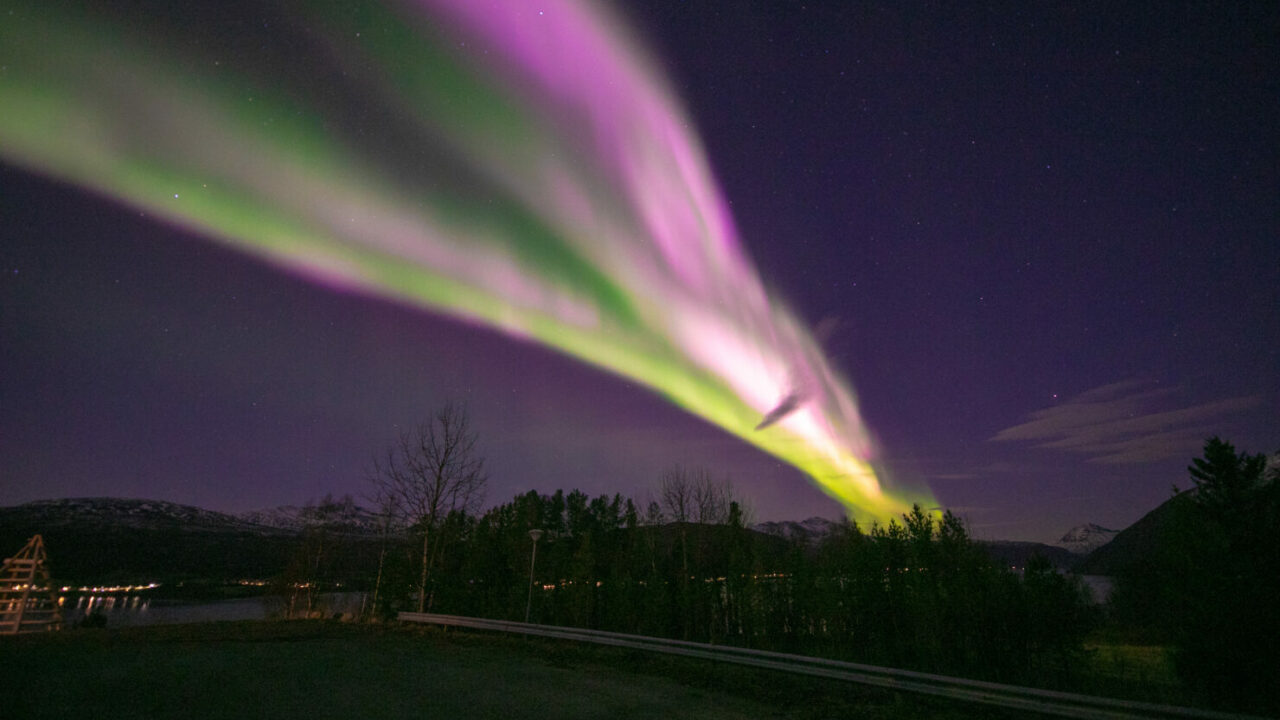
(317, 670)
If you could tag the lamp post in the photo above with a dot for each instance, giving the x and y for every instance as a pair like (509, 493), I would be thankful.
(533, 558)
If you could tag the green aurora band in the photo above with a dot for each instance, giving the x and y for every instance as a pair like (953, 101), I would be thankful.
(523, 167)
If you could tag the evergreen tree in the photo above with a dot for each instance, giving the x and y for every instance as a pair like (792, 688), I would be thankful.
(1226, 643)
(1209, 588)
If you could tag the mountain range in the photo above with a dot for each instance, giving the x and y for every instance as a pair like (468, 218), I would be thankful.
(1135, 542)
(118, 540)
(1077, 543)
(110, 512)
(350, 519)
(808, 531)
(1084, 539)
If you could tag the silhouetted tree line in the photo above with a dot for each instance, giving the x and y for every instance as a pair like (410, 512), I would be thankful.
(914, 593)
(1211, 587)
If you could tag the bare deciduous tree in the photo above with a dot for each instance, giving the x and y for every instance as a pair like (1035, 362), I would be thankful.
(693, 499)
(387, 518)
(431, 471)
(676, 489)
(693, 495)
(711, 498)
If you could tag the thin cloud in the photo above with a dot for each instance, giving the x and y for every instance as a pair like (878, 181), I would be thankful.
(965, 510)
(1002, 467)
(1125, 423)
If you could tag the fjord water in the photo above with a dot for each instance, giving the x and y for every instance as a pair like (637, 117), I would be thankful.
(140, 610)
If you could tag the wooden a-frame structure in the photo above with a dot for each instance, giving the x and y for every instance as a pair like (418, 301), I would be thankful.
(28, 602)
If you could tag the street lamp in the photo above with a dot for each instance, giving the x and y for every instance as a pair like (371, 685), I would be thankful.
(535, 534)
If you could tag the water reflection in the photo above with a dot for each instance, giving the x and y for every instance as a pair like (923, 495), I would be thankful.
(86, 604)
(136, 610)
(1099, 586)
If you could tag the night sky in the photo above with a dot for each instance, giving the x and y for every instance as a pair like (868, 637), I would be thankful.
(1042, 244)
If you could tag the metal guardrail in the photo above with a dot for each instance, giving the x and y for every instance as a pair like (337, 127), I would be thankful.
(1047, 702)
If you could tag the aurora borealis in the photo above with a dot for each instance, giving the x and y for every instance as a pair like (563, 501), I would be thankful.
(529, 171)
(1038, 240)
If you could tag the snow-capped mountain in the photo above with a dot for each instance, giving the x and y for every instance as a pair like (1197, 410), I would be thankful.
(126, 512)
(346, 518)
(1084, 539)
(287, 517)
(120, 541)
(1007, 553)
(808, 531)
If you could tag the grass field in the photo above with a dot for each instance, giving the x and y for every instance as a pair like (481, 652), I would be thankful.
(1137, 672)
(319, 670)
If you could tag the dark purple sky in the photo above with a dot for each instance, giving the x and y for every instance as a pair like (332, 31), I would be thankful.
(1063, 214)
